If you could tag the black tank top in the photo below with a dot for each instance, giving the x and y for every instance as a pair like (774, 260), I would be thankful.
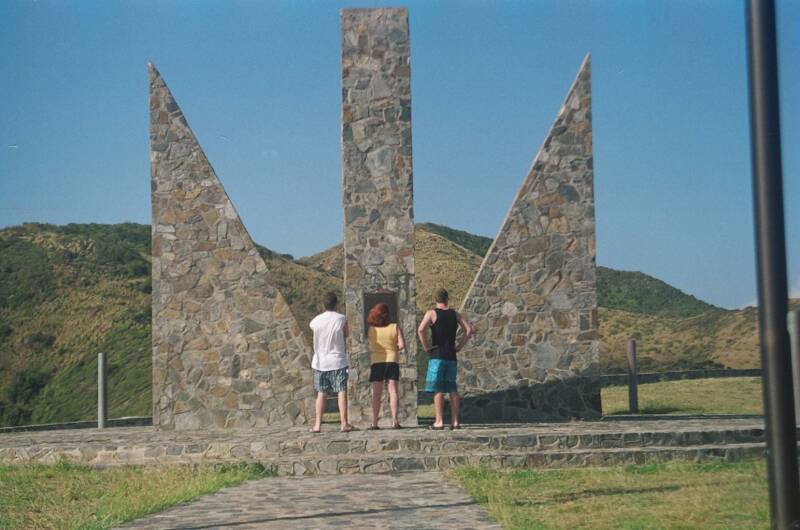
(444, 335)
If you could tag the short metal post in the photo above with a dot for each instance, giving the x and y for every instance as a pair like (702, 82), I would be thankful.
(633, 390)
(794, 332)
(102, 394)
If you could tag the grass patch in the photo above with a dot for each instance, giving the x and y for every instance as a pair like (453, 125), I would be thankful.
(740, 395)
(674, 495)
(66, 495)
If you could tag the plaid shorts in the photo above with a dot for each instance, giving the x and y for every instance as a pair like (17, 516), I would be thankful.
(331, 381)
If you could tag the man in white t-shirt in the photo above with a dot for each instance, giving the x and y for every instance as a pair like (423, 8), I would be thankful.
(330, 360)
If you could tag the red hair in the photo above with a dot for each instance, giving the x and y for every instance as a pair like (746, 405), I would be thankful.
(378, 315)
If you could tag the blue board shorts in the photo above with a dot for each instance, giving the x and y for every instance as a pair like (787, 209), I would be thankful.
(441, 376)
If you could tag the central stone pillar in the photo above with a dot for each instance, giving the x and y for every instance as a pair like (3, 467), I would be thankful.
(378, 194)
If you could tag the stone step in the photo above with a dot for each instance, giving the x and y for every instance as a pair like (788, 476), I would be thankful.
(470, 440)
(373, 449)
(310, 464)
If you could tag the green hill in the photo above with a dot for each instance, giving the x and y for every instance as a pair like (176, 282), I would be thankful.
(636, 292)
(68, 292)
(476, 244)
(633, 292)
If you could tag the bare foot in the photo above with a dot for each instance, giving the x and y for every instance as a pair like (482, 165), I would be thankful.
(347, 428)
(315, 430)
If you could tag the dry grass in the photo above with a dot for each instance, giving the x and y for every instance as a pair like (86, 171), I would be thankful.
(442, 263)
(69, 496)
(740, 395)
(724, 338)
(661, 496)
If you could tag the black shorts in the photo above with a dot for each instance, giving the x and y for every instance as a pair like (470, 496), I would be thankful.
(384, 371)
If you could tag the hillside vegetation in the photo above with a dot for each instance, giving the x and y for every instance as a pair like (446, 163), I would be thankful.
(636, 292)
(478, 245)
(68, 292)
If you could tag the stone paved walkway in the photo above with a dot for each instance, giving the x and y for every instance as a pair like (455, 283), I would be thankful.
(399, 501)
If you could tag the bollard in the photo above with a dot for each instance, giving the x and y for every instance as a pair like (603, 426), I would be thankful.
(102, 394)
(794, 336)
(633, 390)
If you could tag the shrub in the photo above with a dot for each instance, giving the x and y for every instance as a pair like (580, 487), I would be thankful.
(26, 385)
(39, 340)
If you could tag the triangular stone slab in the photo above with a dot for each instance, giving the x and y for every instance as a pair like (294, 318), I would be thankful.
(227, 351)
(535, 355)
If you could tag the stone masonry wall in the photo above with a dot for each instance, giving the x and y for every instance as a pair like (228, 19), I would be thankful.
(378, 189)
(227, 351)
(533, 302)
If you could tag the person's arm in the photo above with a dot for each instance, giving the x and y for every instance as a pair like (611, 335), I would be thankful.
(426, 321)
(401, 344)
(466, 327)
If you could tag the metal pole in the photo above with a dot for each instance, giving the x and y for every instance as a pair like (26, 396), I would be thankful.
(784, 489)
(633, 379)
(102, 394)
(794, 333)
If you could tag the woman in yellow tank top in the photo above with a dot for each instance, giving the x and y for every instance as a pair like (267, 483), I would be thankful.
(385, 340)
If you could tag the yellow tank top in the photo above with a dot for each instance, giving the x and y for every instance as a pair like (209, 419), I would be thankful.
(383, 344)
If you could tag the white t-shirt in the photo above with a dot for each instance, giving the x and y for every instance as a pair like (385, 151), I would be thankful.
(329, 348)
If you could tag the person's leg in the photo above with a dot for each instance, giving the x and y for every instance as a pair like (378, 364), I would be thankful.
(454, 397)
(320, 410)
(342, 398)
(451, 387)
(433, 385)
(438, 407)
(377, 394)
(393, 401)
(339, 385)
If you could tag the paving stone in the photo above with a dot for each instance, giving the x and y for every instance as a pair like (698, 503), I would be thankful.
(403, 500)
(295, 451)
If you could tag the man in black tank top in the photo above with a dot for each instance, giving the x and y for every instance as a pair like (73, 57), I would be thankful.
(442, 365)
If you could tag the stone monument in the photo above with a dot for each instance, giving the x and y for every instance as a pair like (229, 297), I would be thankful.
(378, 193)
(227, 351)
(533, 301)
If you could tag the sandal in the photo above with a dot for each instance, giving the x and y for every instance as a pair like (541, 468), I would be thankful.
(454, 427)
(397, 427)
(349, 428)
(435, 428)
(373, 428)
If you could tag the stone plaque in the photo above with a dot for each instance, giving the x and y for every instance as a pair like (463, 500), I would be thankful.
(387, 297)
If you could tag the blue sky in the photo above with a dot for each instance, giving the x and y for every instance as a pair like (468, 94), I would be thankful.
(259, 84)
